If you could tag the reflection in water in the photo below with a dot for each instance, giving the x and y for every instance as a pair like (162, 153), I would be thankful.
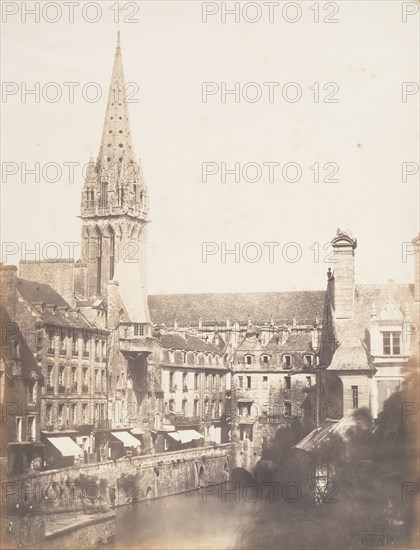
(195, 520)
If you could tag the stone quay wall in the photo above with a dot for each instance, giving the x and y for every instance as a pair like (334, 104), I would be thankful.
(102, 486)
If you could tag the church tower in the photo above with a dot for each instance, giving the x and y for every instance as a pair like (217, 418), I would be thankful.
(115, 208)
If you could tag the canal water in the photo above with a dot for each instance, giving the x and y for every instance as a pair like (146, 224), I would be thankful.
(195, 520)
(226, 517)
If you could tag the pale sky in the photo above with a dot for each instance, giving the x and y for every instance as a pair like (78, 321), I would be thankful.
(169, 53)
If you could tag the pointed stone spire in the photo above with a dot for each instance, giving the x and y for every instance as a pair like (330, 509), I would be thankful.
(116, 145)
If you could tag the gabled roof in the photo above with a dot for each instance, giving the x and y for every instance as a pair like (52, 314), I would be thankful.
(187, 309)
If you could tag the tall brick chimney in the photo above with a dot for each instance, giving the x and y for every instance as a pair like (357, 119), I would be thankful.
(343, 274)
(416, 242)
(8, 293)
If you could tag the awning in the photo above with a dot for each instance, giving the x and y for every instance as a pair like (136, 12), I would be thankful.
(185, 436)
(66, 446)
(127, 439)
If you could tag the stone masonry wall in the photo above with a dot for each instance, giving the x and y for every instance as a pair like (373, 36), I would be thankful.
(104, 485)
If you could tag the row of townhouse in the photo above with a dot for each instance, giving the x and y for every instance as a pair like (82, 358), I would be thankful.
(194, 384)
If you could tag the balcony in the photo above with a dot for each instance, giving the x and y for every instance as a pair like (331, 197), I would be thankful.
(272, 419)
(51, 351)
(74, 387)
(246, 419)
(179, 420)
(61, 389)
(85, 388)
(86, 354)
(50, 389)
(63, 352)
(74, 353)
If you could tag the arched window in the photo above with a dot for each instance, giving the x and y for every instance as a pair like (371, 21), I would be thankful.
(248, 359)
(104, 193)
(98, 262)
(111, 255)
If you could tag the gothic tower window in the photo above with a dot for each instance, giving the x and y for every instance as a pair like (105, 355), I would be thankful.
(120, 196)
(111, 255)
(99, 265)
(104, 194)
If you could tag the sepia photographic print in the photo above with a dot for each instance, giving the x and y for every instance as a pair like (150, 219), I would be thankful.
(210, 275)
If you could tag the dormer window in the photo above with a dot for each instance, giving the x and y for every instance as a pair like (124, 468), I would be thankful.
(248, 359)
(287, 361)
(265, 360)
(308, 360)
(391, 343)
(171, 355)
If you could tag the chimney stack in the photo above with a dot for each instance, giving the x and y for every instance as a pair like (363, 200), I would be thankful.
(343, 274)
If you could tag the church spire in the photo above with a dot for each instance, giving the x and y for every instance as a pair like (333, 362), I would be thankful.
(115, 206)
(116, 146)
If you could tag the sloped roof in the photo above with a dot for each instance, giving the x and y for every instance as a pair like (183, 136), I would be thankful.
(37, 294)
(187, 309)
(189, 343)
(367, 295)
(352, 354)
(314, 438)
(10, 331)
(301, 341)
(251, 343)
(351, 334)
(129, 276)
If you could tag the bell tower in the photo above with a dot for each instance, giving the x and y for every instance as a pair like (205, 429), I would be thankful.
(115, 204)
